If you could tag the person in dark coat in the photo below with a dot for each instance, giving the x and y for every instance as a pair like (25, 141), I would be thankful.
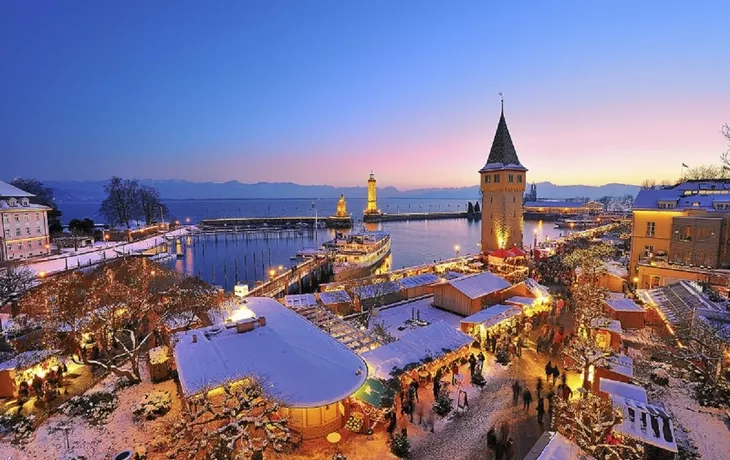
(527, 399)
(392, 423)
(548, 370)
(556, 374)
(480, 361)
(540, 409)
(516, 390)
(538, 387)
(509, 449)
(494, 343)
(38, 385)
(472, 364)
(414, 387)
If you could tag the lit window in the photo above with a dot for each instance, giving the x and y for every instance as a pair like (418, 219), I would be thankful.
(25, 217)
(650, 229)
(38, 229)
(17, 217)
(37, 216)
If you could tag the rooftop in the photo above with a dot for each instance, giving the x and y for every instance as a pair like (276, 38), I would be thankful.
(370, 291)
(300, 364)
(646, 423)
(623, 390)
(687, 195)
(333, 297)
(433, 341)
(623, 304)
(493, 315)
(7, 190)
(296, 301)
(423, 279)
(398, 320)
(554, 446)
(677, 302)
(502, 154)
(478, 285)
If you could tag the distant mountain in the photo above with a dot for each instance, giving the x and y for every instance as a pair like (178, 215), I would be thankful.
(70, 191)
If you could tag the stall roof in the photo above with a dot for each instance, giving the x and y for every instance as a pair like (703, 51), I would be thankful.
(622, 390)
(398, 320)
(646, 423)
(370, 291)
(26, 359)
(493, 315)
(623, 304)
(678, 301)
(414, 346)
(372, 392)
(334, 297)
(423, 279)
(302, 364)
(478, 285)
(297, 301)
(554, 446)
(608, 324)
(620, 364)
(452, 275)
(536, 289)
(524, 301)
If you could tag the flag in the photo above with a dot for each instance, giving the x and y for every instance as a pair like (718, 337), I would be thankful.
(684, 165)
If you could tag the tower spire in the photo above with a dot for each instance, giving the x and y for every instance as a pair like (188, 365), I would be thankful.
(502, 99)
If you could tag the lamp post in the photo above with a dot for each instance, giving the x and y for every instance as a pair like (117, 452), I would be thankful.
(272, 272)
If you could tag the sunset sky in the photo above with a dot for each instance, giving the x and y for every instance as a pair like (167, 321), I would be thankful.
(321, 92)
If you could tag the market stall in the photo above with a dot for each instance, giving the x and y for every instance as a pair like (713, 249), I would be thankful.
(493, 320)
(26, 369)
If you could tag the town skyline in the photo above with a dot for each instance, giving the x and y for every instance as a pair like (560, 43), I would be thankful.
(260, 93)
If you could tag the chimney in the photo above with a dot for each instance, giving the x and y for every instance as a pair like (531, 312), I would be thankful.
(195, 338)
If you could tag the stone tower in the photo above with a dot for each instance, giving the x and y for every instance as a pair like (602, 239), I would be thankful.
(502, 183)
(372, 207)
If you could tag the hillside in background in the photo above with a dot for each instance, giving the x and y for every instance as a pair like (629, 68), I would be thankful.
(70, 191)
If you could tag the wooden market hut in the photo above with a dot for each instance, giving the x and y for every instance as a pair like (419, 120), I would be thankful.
(468, 294)
(313, 373)
(618, 367)
(626, 311)
(338, 302)
(493, 317)
(418, 285)
(381, 293)
(614, 278)
(297, 301)
(607, 333)
(23, 366)
(608, 388)
(553, 446)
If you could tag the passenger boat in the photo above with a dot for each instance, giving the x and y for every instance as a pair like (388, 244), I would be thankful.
(577, 223)
(356, 254)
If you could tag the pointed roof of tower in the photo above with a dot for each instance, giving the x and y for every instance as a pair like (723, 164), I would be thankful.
(503, 154)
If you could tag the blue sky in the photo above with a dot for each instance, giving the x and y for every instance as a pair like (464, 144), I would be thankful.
(323, 92)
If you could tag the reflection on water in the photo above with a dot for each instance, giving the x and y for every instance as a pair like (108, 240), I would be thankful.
(225, 259)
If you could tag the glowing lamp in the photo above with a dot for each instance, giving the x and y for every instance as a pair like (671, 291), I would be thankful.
(241, 314)
(42, 274)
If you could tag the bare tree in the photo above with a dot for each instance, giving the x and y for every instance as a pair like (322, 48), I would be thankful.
(14, 281)
(648, 184)
(43, 196)
(726, 134)
(121, 203)
(590, 422)
(371, 297)
(239, 421)
(150, 204)
(704, 172)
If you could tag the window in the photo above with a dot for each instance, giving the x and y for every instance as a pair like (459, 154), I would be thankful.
(29, 245)
(38, 229)
(510, 178)
(685, 234)
(487, 179)
(650, 229)
(10, 248)
(496, 178)
(20, 246)
(40, 244)
(648, 250)
(491, 199)
(37, 216)
(17, 232)
(27, 230)
(519, 178)
(25, 217)
(17, 217)
(6, 218)
(514, 200)
(7, 233)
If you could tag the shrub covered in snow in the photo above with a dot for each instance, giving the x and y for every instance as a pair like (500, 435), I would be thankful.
(478, 380)
(18, 426)
(93, 407)
(443, 404)
(401, 446)
(154, 404)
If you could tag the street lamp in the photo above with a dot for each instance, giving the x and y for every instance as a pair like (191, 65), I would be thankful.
(272, 272)
(106, 240)
(187, 220)
(281, 267)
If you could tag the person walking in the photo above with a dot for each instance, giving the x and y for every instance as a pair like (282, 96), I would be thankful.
(472, 365)
(392, 423)
(437, 383)
(509, 450)
(516, 390)
(556, 374)
(454, 372)
(494, 343)
(480, 362)
(538, 387)
(540, 409)
(415, 386)
(520, 344)
(548, 369)
(527, 399)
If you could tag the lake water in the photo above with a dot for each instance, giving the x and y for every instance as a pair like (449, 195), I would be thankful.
(225, 259)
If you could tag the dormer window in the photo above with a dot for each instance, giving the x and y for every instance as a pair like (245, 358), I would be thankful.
(24, 202)
(12, 202)
(667, 204)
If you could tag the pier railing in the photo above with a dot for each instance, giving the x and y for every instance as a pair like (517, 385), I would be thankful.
(281, 282)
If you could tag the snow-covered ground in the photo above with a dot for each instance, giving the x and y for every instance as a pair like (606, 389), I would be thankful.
(120, 433)
(394, 318)
(101, 252)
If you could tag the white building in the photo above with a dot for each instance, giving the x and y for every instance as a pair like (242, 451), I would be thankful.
(23, 226)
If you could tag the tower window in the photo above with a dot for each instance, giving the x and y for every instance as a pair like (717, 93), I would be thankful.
(513, 200)
(510, 178)
(519, 178)
(514, 213)
(487, 179)
(496, 178)
(491, 199)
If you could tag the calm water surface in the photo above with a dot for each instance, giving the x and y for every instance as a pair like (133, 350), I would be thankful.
(227, 258)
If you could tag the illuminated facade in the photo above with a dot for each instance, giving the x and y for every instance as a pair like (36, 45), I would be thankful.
(23, 225)
(681, 233)
(502, 183)
(372, 207)
(341, 207)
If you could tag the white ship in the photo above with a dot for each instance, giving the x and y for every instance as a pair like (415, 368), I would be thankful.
(355, 254)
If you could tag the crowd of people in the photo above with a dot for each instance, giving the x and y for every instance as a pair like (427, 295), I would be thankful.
(45, 387)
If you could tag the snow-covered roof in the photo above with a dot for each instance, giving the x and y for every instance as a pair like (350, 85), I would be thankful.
(7, 190)
(423, 279)
(623, 390)
(452, 275)
(297, 301)
(413, 347)
(334, 297)
(608, 324)
(620, 364)
(493, 315)
(623, 304)
(301, 364)
(536, 289)
(646, 423)
(678, 301)
(616, 269)
(554, 446)
(370, 291)
(523, 301)
(478, 285)
(397, 320)
(27, 359)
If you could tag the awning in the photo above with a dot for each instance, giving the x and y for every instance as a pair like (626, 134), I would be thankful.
(373, 392)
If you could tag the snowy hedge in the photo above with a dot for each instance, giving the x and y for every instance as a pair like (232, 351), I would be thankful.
(154, 404)
(95, 408)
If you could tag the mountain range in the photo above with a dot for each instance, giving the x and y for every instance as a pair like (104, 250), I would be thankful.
(171, 189)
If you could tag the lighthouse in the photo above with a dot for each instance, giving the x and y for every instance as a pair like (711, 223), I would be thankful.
(372, 207)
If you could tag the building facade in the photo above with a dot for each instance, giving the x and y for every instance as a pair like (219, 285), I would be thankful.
(563, 208)
(681, 233)
(372, 206)
(23, 225)
(502, 183)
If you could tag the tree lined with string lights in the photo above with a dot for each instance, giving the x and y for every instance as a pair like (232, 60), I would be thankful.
(121, 305)
(590, 422)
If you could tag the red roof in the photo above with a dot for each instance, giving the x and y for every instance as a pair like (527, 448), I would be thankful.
(501, 253)
(517, 252)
